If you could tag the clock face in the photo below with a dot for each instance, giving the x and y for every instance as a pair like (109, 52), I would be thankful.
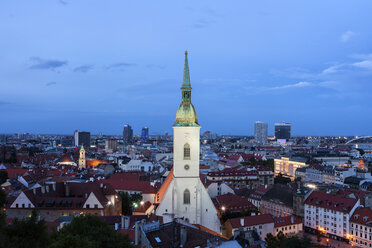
(187, 167)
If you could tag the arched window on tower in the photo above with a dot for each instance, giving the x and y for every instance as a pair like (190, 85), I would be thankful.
(186, 152)
(186, 196)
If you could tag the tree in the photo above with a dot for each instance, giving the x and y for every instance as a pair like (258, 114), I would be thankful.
(282, 180)
(126, 204)
(27, 233)
(282, 241)
(71, 241)
(3, 176)
(90, 228)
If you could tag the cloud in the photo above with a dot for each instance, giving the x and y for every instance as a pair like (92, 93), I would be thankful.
(46, 64)
(63, 2)
(345, 37)
(84, 68)
(365, 64)
(50, 83)
(119, 65)
(291, 86)
(332, 69)
(299, 85)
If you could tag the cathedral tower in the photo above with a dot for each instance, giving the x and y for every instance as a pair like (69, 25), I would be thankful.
(82, 162)
(185, 196)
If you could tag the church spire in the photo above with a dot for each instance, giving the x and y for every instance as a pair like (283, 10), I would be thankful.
(186, 114)
(186, 74)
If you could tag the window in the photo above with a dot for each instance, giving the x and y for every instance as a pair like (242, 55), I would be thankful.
(186, 152)
(88, 206)
(186, 196)
(95, 205)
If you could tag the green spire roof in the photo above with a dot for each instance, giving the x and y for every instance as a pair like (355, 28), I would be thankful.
(186, 74)
(186, 114)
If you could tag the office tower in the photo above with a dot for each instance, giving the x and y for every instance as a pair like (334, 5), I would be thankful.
(128, 134)
(260, 132)
(145, 134)
(82, 138)
(183, 195)
(111, 145)
(282, 131)
(76, 138)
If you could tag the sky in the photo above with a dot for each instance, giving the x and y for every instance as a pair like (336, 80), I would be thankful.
(95, 65)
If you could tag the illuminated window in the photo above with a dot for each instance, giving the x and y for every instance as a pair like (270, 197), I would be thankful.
(186, 152)
(186, 196)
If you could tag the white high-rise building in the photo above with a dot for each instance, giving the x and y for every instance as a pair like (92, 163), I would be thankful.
(183, 194)
(260, 132)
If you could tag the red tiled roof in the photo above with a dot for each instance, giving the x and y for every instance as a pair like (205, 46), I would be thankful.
(15, 171)
(251, 220)
(331, 201)
(143, 186)
(287, 220)
(362, 216)
(233, 172)
(232, 202)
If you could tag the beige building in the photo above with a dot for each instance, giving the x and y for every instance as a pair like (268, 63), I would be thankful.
(289, 225)
(287, 167)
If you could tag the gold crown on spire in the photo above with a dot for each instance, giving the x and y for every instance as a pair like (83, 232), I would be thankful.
(186, 52)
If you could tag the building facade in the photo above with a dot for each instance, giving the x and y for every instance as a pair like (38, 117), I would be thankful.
(361, 228)
(282, 131)
(145, 134)
(260, 132)
(287, 167)
(128, 134)
(185, 195)
(329, 214)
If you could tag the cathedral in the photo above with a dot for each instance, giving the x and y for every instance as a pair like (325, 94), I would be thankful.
(184, 195)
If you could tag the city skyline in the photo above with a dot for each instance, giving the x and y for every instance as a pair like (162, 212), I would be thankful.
(260, 62)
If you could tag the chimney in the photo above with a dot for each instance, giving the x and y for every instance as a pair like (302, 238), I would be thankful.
(47, 188)
(292, 219)
(265, 186)
(125, 222)
(183, 236)
(101, 185)
(116, 226)
(34, 191)
(54, 186)
(242, 221)
(67, 189)
(42, 189)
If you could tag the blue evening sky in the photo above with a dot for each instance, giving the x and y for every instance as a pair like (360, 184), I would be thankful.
(96, 65)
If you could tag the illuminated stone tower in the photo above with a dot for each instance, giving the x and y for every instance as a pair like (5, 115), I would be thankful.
(185, 196)
(82, 162)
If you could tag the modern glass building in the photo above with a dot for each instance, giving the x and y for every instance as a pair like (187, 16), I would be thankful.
(128, 134)
(283, 131)
(145, 134)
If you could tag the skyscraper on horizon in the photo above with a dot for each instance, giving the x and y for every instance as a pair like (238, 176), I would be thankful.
(283, 130)
(82, 138)
(260, 132)
(145, 134)
(128, 134)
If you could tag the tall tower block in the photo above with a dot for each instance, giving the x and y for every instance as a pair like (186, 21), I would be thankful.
(185, 196)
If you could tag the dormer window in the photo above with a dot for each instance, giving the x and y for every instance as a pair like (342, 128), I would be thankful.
(186, 152)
